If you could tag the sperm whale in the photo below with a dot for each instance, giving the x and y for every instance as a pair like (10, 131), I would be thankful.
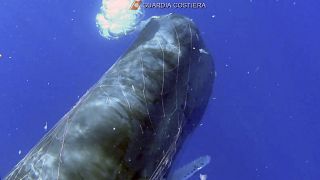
(131, 123)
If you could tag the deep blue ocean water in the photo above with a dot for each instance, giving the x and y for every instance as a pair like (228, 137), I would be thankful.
(262, 121)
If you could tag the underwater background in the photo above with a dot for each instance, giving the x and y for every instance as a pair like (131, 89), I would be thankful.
(262, 121)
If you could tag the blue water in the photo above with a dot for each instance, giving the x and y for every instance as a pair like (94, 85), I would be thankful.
(262, 121)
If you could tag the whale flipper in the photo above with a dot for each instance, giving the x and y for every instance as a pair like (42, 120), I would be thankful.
(190, 169)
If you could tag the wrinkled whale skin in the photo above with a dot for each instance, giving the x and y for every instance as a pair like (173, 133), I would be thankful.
(130, 124)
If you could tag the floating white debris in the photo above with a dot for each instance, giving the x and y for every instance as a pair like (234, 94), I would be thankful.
(45, 127)
(118, 18)
(203, 176)
(203, 51)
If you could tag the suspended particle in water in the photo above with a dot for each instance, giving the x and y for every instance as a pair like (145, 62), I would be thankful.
(45, 127)
(203, 177)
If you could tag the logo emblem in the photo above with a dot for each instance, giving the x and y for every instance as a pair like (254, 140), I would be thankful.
(135, 5)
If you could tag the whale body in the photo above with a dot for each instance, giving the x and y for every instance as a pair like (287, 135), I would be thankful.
(131, 123)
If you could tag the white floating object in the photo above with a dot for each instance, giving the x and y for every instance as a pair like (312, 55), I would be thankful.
(45, 127)
(117, 18)
(203, 51)
(203, 177)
